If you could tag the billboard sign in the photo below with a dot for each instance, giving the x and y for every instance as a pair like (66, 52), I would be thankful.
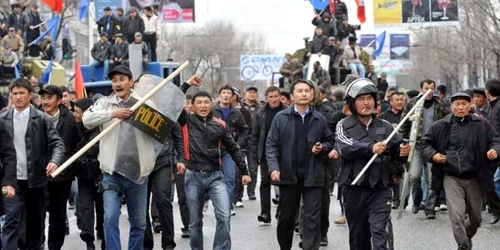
(388, 12)
(259, 67)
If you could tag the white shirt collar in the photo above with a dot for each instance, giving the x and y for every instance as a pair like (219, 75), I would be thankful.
(23, 114)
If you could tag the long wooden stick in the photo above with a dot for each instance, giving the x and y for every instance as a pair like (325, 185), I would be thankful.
(422, 99)
(118, 121)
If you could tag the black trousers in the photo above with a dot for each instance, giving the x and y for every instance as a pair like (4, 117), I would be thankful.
(265, 189)
(88, 199)
(6, 70)
(367, 212)
(150, 40)
(325, 202)
(181, 196)
(238, 186)
(58, 198)
(160, 185)
(493, 202)
(28, 200)
(290, 202)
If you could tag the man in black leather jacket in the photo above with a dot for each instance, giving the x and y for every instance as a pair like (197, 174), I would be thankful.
(39, 151)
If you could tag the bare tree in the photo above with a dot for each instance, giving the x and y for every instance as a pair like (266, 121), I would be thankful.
(213, 50)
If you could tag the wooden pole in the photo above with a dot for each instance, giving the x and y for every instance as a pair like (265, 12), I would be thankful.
(118, 121)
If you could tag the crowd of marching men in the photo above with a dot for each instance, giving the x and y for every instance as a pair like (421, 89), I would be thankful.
(42, 127)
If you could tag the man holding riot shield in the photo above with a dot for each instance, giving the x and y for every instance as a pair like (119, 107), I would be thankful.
(126, 157)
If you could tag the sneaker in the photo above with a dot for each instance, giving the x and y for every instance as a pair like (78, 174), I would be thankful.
(252, 198)
(264, 218)
(233, 213)
(436, 209)
(90, 245)
(239, 204)
(443, 207)
(156, 227)
(324, 241)
(430, 216)
(275, 201)
(415, 209)
(395, 205)
(185, 233)
(297, 230)
(340, 220)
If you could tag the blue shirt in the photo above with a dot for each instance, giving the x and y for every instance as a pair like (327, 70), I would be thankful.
(225, 112)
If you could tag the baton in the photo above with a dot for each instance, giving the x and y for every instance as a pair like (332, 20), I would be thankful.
(419, 102)
(118, 121)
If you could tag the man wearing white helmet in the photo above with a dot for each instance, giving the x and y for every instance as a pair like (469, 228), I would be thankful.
(359, 136)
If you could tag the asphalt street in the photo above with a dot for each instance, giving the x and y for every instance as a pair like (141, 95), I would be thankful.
(412, 232)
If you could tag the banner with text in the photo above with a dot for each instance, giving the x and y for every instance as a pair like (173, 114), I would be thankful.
(177, 12)
(414, 11)
(259, 67)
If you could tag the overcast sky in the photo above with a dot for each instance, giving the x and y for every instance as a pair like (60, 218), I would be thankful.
(283, 22)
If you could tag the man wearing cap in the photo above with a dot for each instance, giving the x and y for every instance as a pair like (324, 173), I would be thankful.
(8, 62)
(481, 106)
(17, 19)
(144, 46)
(238, 128)
(15, 41)
(152, 31)
(297, 139)
(39, 151)
(59, 187)
(126, 157)
(119, 51)
(33, 32)
(108, 24)
(463, 149)
(291, 70)
(101, 52)
(351, 59)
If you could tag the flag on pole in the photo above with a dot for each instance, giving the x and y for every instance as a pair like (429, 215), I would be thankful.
(361, 10)
(84, 7)
(52, 25)
(332, 8)
(319, 4)
(380, 44)
(55, 5)
(79, 85)
(46, 74)
(17, 74)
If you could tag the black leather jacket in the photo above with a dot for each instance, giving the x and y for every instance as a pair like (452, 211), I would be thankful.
(43, 144)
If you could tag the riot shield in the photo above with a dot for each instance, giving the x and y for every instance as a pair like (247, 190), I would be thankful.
(151, 124)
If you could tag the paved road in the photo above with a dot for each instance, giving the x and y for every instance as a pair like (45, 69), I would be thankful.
(412, 232)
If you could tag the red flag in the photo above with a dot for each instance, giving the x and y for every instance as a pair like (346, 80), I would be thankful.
(55, 5)
(361, 10)
(79, 85)
(332, 8)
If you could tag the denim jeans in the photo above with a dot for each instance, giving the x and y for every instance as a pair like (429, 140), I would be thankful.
(198, 185)
(418, 169)
(97, 64)
(357, 67)
(229, 169)
(497, 181)
(114, 186)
